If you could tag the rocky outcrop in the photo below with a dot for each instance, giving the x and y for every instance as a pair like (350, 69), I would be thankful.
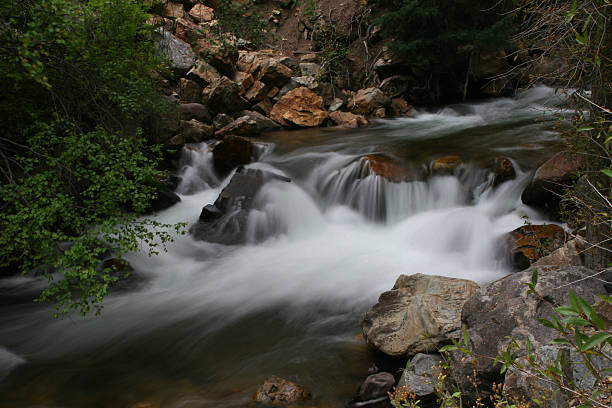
(201, 14)
(418, 315)
(226, 221)
(277, 391)
(366, 101)
(504, 309)
(529, 243)
(299, 108)
(421, 376)
(550, 181)
(348, 119)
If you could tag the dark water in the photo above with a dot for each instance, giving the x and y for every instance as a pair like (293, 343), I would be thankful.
(207, 323)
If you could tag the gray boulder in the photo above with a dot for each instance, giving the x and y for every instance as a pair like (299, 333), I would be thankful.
(421, 376)
(179, 53)
(419, 315)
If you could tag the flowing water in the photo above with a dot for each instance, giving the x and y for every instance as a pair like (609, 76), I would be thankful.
(203, 324)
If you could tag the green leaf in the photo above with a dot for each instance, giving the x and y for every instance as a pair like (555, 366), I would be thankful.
(585, 128)
(574, 301)
(447, 348)
(577, 321)
(567, 311)
(607, 172)
(560, 340)
(595, 340)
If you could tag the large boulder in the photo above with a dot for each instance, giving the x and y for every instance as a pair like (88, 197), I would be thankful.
(348, 119)
(421, 375)
(550, 181)
(503, 310)
(225, 97)
(418, 315)
(226, 221)
(278, 391)
(299, 108)
(529, 243)
(368, 100)
(232, 152)
(180, 55)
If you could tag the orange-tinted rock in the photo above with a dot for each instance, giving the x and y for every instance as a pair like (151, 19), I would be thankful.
(256, 92)
(399, 107)
(532, 242)
(446, 164)
(278, 391)
(300, 107)
(390, 169)
(347, 119)
(380, 113)
(201, 13)
(503, 169)
(368, 100)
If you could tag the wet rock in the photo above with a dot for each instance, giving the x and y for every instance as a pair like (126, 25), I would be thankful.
(225, 97)
(195, 111)
(368, 100)
(446, 164)
(264, 124)
(201, 13)
(243, 126)
(232, 152)
(550, 181)
(226, 221)
(189, 91)
(395, 86)
(203, 73)
(277, 391)
(391, 169)
(376, 386)
(299, 108)
(179, 53)
(503, 309)
(418, 315)
(400, 107)
(503, 169)
(348, 120)
(421, 376)
(164, 198)
(531, 242)
(222, 120)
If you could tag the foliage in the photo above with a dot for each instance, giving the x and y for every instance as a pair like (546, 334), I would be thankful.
(241, 19)
(439, 36)
(78, 90)
(333, 49)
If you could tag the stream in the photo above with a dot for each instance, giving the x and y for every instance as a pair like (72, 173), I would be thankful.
(203, 324)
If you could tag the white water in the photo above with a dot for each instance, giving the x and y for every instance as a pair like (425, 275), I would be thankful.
(331, 241)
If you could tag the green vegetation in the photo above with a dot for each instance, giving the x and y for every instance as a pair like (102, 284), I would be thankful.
(241, 19)
(75, 168)
(439, 37)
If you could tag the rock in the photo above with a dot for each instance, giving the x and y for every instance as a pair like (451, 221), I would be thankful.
(195, 111)
(391, 169)
(243, 126)
(550, 181)
(278, 391)
(264, 124)
(289, 86)
(203, 73)
(399, 107)
(419, 314)
(192, 131)
(257, 92)
(222, 120)
(395, 86)
(348, 120)
(165, 198)
(220, 52)
(300, 107)
(272, 93)
(376, 386)
(265, 65)
(380, 113)
(503, 309)
(390, 64)
(226, 221)
(264, 106)
(421, 376)
(310, 69)
(446, 164)
(244, 81)
(310, 57)
(187, 31)
(568, 254)
(336, 104)
(201, 13)
(368, 100)
(225, 97)
(179, 52)
(329, 93)
(189, 91)
(232, 152)
(309, 82)
(274, 73)
(531, 242)
(173, 10)
(503, 169)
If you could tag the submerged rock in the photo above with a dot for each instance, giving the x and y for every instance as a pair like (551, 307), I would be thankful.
(278, 391)
(446, 164)
(418, 315)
